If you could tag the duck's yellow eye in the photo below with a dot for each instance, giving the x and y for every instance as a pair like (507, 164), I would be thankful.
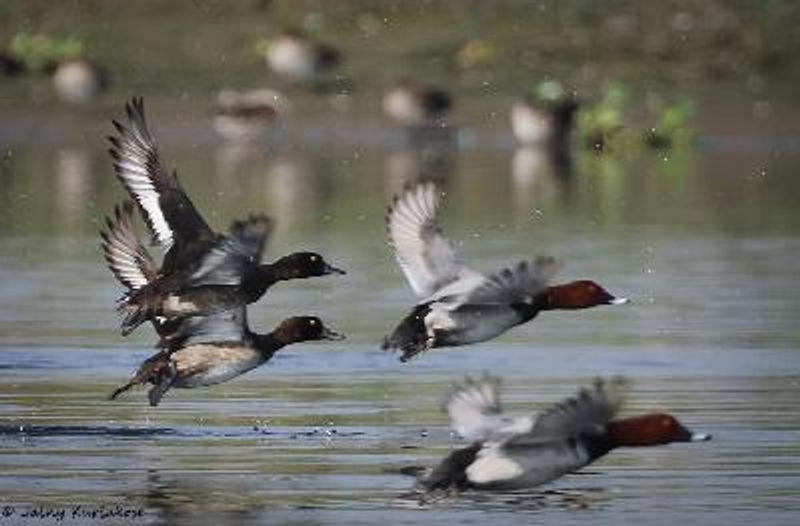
(312, 322)
(313, 258)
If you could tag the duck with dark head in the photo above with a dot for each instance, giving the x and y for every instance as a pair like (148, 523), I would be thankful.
(299, 265)
(203, 272)
(457, 305)
(516, 452)
(214, 349)
(201, 350)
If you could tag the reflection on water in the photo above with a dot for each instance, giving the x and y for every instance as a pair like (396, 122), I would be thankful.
(536, 176)
(402, 167)
(705, 242)
(73, 173)
(295, 190)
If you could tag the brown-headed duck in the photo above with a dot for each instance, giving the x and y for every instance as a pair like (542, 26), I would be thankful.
(517, 452)
(458, 305)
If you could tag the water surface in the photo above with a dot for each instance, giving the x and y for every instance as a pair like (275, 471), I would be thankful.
(704, 242)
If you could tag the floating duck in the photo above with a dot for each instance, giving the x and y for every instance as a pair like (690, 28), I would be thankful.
(78, 81)
(246, 116)
(545, 118)
(297, 58)
(410, 104)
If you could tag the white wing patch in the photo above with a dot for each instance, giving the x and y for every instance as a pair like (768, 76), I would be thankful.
(473, 407)
(126, 268)
(137, 164)
(493, 466)
(134, 174)
(476, 414)
(128, 260)
(424, 254)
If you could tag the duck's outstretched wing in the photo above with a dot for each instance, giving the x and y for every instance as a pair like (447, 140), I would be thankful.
(426, 257)
(226, 326)
(127, 259)
(228, 259)
(166, 209)
(547, 452)
(586, 413)
(520, 283)
(476, 414)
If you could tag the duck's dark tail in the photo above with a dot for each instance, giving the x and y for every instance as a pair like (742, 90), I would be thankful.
(119, 390)
(452, 471)
(411, 335)
(418, 472)
(157, 370)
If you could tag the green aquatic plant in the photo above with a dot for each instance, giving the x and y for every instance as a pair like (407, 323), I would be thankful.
(550, 90)
(670, 122)
(602, 124)
(41, 53)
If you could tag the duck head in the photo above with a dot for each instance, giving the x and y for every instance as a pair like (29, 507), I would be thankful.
(651, 430)
(305, 265)
(581, 294)
(304, 328)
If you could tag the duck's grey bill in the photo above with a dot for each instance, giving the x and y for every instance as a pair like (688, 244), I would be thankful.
(619, 301)
(330, 269)
(332, 335)
(700, 437)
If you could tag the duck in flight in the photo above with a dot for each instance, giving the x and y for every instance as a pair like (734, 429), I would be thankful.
(201, 350)
(202, 271)
(517, 452)
(458, 305)
(217, 348)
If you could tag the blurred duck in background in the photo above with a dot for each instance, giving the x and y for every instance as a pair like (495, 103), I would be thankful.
(411, 105)
(297, 58)
(78, 81)
(248, 116)
(545, 119)
(422, 111)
